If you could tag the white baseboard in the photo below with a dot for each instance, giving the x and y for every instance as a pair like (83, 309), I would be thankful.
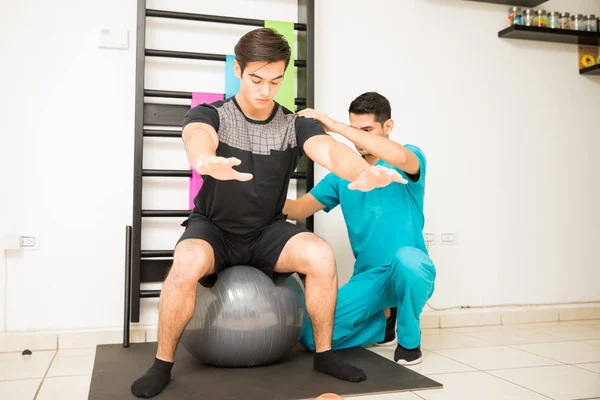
(508, 316)
(53, 340)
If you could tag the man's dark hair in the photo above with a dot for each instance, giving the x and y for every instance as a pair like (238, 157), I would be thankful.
(372, 103)
(262, 44)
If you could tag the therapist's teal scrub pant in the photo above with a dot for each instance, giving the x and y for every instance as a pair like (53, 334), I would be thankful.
(359, 319)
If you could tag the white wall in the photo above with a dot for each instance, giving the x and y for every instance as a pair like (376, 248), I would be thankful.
(523, 200)
(9, 137)
(70, 106)
(69, 149)
(2, 291)
(67, 145)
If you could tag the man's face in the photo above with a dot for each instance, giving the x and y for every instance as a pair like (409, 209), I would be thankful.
(367, 123)
(260, 82)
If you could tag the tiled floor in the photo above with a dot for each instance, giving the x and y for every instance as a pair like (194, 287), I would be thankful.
(529, 361)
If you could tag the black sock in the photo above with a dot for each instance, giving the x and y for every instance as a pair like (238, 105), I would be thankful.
(329, 363)
(154, 381)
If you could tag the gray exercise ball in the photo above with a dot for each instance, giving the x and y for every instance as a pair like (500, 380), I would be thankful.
(246, 319)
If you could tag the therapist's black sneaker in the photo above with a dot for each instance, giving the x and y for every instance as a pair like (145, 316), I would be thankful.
(390, 329)
(408, 357)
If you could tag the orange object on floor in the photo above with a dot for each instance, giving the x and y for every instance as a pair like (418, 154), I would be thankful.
(329, 396)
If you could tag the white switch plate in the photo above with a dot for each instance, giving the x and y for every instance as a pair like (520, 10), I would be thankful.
(448, 238)
(429, 237)
(30, 242)
(113, 38)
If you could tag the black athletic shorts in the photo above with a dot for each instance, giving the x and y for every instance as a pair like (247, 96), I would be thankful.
(260, 249)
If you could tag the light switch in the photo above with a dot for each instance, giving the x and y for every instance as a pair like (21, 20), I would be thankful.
(113, 38)
(448, 238)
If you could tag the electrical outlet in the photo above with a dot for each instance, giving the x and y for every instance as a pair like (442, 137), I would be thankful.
(448, 238)
(29, 242)
(429, 237)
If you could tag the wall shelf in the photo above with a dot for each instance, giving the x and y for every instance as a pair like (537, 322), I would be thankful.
(550, 35)
(519, 3)
(593, 70)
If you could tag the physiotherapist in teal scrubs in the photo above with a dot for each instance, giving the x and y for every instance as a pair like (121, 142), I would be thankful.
(392, 270)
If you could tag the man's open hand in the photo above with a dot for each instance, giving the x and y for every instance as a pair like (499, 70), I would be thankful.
(376, 176)
(221, 168)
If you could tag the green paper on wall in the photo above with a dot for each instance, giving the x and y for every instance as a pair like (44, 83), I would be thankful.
(286, 95)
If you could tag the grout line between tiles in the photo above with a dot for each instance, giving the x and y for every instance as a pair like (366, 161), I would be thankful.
(68, 376)
(516, 384)
(529, 366)
(486, 372)
(449, 373)
(21, 351)
(539, 355)
(584, 369)
(431, 376)
(37, 392)
(563, 338)
(20, 379)
(584, 362)
(498, 369)
(452, 359)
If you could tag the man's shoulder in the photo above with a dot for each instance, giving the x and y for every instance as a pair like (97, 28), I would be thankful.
(212, 105)
(219, 103)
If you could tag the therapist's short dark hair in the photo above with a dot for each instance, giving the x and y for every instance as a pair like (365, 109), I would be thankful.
(372, 103)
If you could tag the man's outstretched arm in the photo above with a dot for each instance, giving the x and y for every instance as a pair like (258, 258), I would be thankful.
(345, 163)
(200, 139)
(201, 142)
(381, 147)
(335, 157)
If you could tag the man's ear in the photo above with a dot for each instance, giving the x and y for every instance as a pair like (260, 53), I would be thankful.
(388, 126)
(237, 70)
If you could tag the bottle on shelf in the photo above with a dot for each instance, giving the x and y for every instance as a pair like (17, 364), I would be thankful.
(565, 20)
(515, 16)
(554, 20)
(528, 16)
(591, 23)
(577, 22)
(541, 19)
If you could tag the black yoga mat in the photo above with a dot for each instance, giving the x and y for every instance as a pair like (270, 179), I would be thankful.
(115, 369)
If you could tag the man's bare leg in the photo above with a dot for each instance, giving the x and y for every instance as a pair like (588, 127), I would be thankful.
(308, 254)
(193, 259)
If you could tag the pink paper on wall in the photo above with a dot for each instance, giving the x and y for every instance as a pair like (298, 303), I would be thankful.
(196, 179)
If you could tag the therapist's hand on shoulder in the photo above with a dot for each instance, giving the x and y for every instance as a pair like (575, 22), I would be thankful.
(326, 122)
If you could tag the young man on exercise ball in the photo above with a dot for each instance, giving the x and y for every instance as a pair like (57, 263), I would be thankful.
(238, 219)
(392, 268)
